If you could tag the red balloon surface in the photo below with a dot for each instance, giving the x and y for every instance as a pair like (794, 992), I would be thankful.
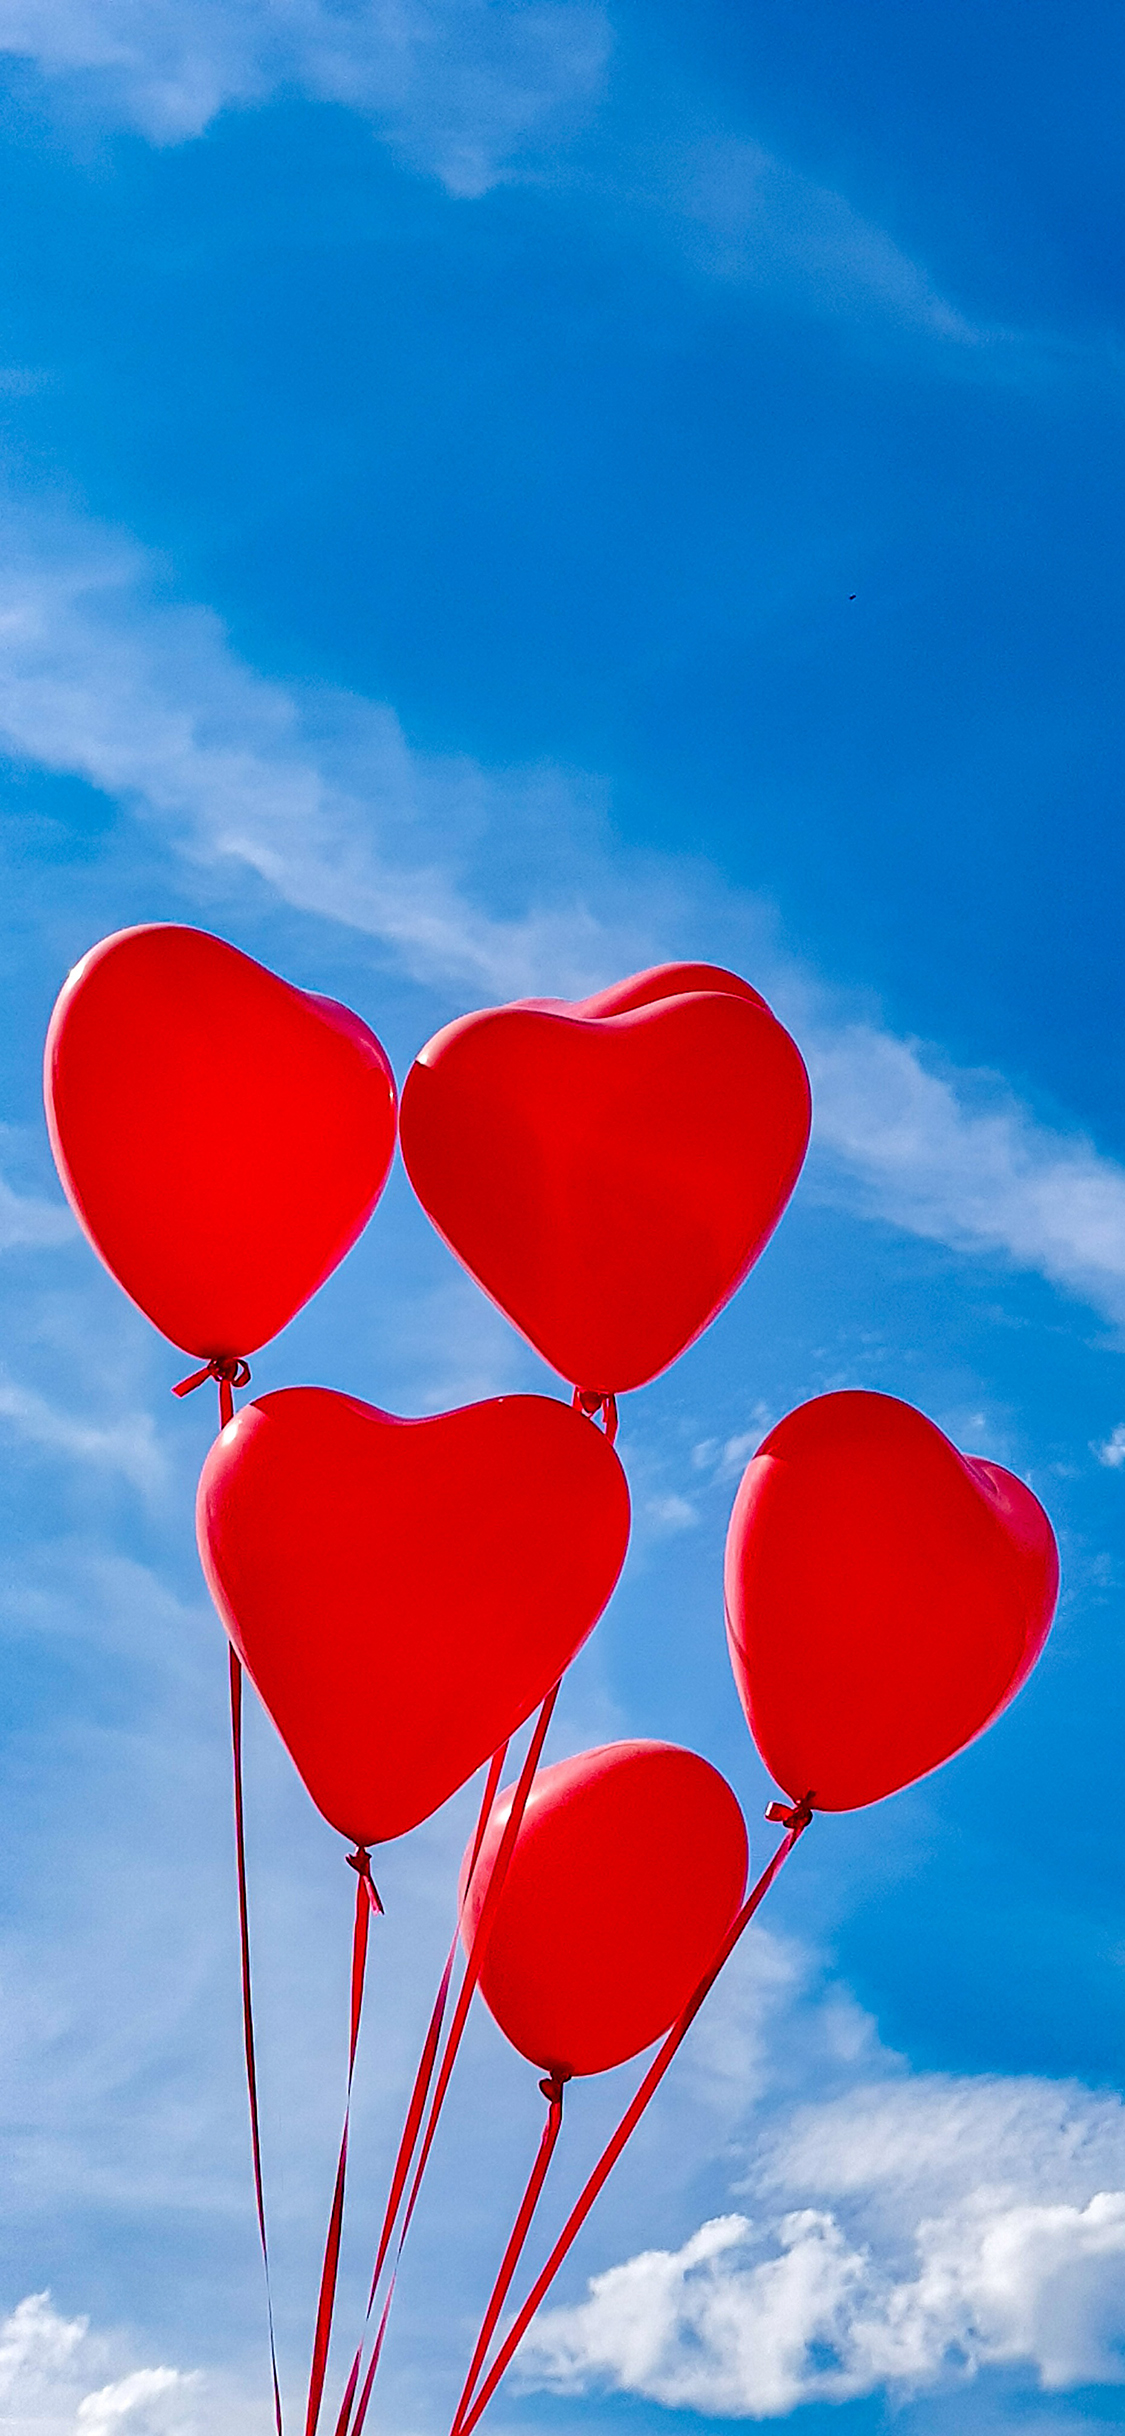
(608, 1171)
(628, 1868)
(221, 1136)
(404, 1593)
(886, 1597)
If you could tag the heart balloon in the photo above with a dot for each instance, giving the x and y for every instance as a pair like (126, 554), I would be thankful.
(608, 1171)
(627, 1870)
(404, 1593)
(885, 1595)
(221, 1136)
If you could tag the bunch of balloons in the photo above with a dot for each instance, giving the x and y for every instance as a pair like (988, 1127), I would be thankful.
(608, 1171)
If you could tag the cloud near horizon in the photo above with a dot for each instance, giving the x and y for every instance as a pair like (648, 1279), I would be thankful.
(959, 2225)
(53, 2382)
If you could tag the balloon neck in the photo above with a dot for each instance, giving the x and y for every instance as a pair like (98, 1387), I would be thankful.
(553, 2086)
(230, 1371)
(597, 1404)
(794, 1815)
(360, 1861)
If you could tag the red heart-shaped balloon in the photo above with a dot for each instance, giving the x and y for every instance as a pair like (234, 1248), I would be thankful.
(404, 1593)
(221, 1136)
(627, 1870)
(885, 1595)
(609, 1171)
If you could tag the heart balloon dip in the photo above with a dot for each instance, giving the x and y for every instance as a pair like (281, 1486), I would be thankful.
(886, 1597)
(609, 1170)
(404, 1593)
(221, 1136)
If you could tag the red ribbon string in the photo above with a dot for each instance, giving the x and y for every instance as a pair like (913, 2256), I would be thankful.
(553, 2092)
(366, 1902)
(595, 1403)
(411, 2127)
(248, 2010)
(349, 2394)
(369, 2380)
(475, 1956)
(473, 1963)
(421, 2090)
(407, 2145)
(230, 1373)
(795, 1820)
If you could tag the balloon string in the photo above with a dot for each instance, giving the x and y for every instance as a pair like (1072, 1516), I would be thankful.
(594, 1402)
(481, 1934)
(366, 1902)
(795, 1819)
(409, 2139)
(552, 2089)
(473, 1962)
(232, 1372)
(248, 2011)
(424, 2076)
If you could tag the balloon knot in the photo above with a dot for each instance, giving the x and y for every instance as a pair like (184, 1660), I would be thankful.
(553, 2087)
(796, 1814)
(360, 1861)
(597, 1403)
(228, 1368)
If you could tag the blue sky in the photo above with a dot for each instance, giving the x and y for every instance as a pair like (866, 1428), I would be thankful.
(493, 497)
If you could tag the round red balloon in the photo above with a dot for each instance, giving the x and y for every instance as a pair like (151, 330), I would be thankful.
(608, 1171)
(627, 1870)
(885, 1595)
(404, 1593)
(221, 1136)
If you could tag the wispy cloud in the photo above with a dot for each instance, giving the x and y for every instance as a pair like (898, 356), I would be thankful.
(725, 1459)
(749, 217)
(457, 86)
(465, 90)
(671, 1513)
(958, 2225)
(956, 1157)
(128, 1446)
(25, 1220)
(325, 801)
(477, 92)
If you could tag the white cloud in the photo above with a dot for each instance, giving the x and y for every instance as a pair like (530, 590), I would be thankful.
(717, 2327)
(323, 799)
(960, 2226)
(25, 1220)
(151, 706)
(462, 89)
(48, 2368)
(458, 86)
(751, 217)
(936, 2136)
(727, 1458)
(672, 1513)
(1112, 1454)
(128, 1446)
(957, 1158)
